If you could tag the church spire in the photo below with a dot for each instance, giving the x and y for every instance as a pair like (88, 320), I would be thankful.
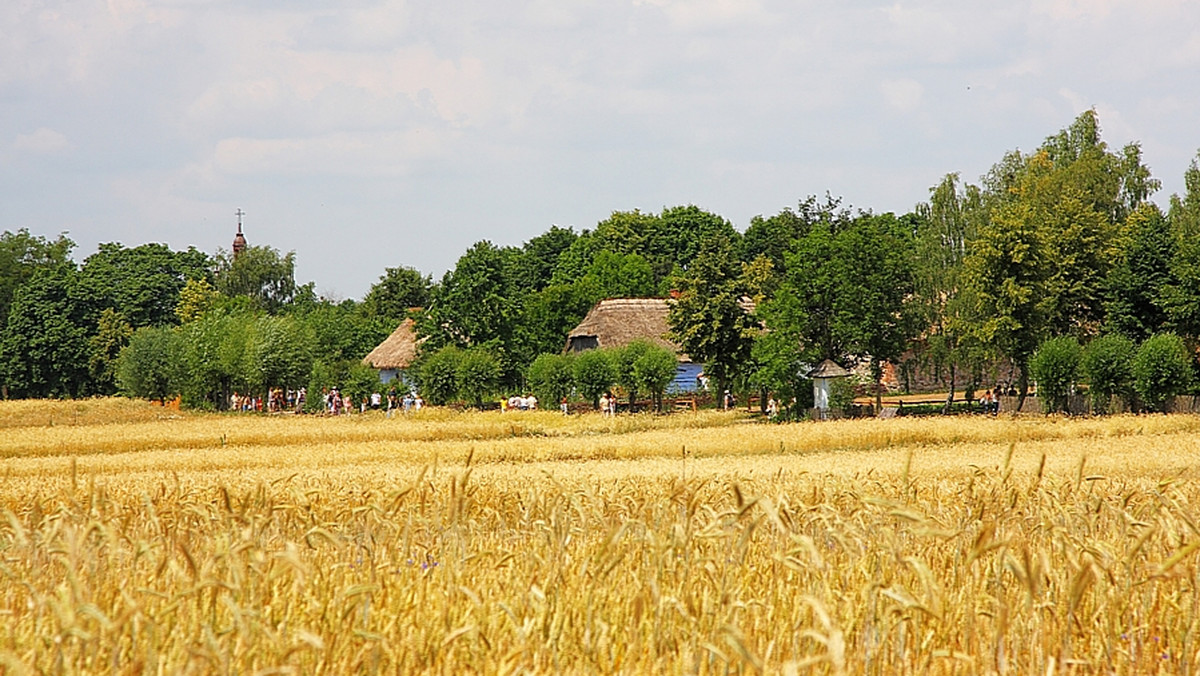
(239, 240)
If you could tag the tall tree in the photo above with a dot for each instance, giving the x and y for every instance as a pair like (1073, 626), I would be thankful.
(21, 255)
(1134, 303)
(707, 317)
(142, 283)
(44, 345)
(397, 291)
(260, 273)
(1181, 295)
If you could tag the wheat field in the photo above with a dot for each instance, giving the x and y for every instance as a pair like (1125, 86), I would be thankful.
(143, 541)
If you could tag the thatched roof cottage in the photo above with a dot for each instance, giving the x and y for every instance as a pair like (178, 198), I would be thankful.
(396, 353)
(617, 322)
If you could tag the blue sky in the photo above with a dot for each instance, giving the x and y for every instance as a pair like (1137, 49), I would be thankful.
(365, 134)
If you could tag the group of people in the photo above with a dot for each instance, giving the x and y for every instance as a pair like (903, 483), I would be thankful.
(990, 401)
(608, 404)
(278, 400)
(409, 403)
(519, 403)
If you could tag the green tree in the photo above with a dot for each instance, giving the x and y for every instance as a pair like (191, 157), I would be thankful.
(437, 375)
(397, 291)
(479, 305)
(142, 283)
(707, 317)
(943, 305)
(44, 344)
(21, 255)
(1055, 365)
(260, 273)
(1134, 290)
(197, 297)
(654, 370)
(1162, 369)
(148, 365)
(552, 377)
(278, 352)
(846, 291)
(1181, 295)
(112, 335)
(624, 360)
(1107, 366)
(594, 374)
(478, 375)
(540, 257)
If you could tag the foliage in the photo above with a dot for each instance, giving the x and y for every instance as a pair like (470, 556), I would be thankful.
(551, 377)
(844, 295)
(112, 334)
(841, 393)
(707, 318)
(260, 273)
(142, 283)
(23, 254)
(397, 291)
(478, 375)
(594, 374)
(623, 360)
(1107, 366)
(654, 370)
(44, 344)
(438, 375)
(197, 297)
(1162, 369)
(278, 352)
(1055, 366)
(148, 365)
(1134, 300)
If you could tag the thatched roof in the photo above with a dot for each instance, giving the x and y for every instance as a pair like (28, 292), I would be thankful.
(398, 351)
(616, 322)
(828, 369)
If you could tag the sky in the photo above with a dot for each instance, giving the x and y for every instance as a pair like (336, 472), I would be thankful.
(366, 134)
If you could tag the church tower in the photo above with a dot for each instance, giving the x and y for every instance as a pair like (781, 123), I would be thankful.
(239, 240)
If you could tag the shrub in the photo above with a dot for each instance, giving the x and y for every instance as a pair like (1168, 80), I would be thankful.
(478, 375)
(594, 374)
(551, 378)
(1107, 366)
(147, 365)
(1055, 366)
(438, 375)
(654, 370)
(1162, 369)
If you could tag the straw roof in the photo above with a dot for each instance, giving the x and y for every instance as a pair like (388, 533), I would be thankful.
(398, 351)
(616, 322)
(828, 369)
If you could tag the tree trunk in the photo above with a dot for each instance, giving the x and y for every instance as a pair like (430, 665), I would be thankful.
(950, 397)
(1022, 384)
(877, 374)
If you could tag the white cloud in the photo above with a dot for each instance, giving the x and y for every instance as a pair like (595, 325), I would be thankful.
(42, 140)
(903, 95)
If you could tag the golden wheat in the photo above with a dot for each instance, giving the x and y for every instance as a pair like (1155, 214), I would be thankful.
(685, 544)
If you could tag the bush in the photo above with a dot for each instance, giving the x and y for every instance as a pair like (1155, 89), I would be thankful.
(594, 374)
(551, 377)
(438, 375)
(478, 375)
(1055, 366)
(1162, 369)
(1107, 366)
(147, 365)
(654, 370)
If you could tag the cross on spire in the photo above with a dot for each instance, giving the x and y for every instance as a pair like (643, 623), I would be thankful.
(239, 213)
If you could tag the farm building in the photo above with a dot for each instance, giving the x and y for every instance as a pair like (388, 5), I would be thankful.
(616, 322)
(395, 354)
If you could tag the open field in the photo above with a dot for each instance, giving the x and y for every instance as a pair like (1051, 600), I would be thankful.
(138, 540)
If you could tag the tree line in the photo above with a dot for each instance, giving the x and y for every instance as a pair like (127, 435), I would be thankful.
(1059, 243)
